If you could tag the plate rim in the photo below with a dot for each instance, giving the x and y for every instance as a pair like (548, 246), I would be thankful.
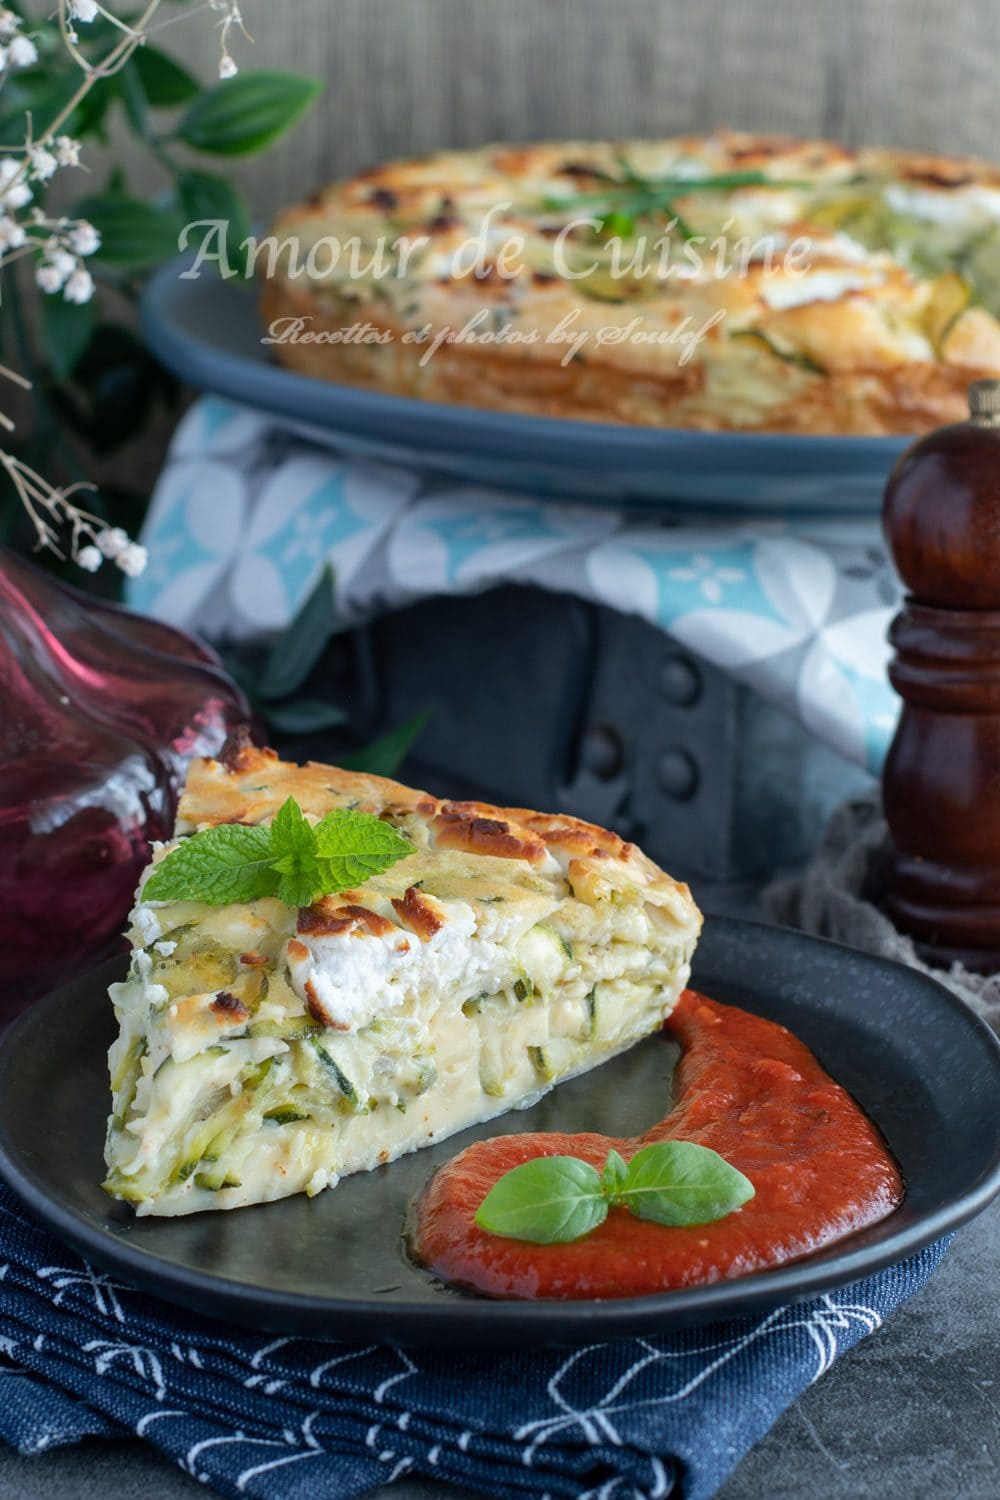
(552, 1320)
(465, 428)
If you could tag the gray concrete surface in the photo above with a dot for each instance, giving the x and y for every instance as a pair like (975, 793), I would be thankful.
(912, 1413)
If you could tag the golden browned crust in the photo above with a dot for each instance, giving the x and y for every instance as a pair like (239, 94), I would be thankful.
(461, 376)
(229, 1007)
(253, 786)
(421, 914)
(329, 917)
(883, 335)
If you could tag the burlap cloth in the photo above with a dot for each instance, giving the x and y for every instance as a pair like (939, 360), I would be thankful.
(837, 896)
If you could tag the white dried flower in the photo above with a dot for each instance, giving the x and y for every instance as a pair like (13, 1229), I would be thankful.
(132, 560)
(80, 286)
(12, 236)
(84, 238)
(89, 559)
(9, 22)
(83, 10)
(43, 163)
(57, 255)
(13, 194)
(49, 278)
(112, 540)
(67, 151)
(22, 52)
(227, 66)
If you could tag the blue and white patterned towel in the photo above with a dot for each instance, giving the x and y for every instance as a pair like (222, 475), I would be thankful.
(246, 512)
(82, 1354)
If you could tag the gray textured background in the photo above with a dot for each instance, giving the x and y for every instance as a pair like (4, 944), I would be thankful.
(407, 76)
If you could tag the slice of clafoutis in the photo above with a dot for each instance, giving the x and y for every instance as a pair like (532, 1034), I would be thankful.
(266, 1050)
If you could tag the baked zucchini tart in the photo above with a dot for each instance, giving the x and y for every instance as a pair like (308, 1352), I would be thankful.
(722, 282)
(267, 1048)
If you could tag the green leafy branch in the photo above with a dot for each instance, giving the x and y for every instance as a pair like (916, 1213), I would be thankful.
(233, 118)
(237, 117)
(65, 81)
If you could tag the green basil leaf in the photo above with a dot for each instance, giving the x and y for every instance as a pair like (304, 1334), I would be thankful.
(132, 233)
(681, 1183)
(165, 82)
(300, 646)
(353, 846)
(217, 866)
(293, 855)
(549, 1201)
(384, 756)
(245, 114)
(613, 1177)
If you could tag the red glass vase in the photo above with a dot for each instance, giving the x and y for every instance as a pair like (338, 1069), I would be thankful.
(100, 711)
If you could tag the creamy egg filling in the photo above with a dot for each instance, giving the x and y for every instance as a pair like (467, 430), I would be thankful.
(817, 286)
(255, 1061)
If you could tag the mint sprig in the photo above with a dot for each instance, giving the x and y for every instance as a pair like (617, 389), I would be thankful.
(293, 856)
(227, 863)
(352, 846)
(553, 1200)
(292, 859)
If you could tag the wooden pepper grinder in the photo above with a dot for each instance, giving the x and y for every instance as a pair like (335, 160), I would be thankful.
(941, 784)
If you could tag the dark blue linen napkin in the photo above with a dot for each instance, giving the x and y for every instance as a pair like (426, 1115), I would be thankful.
(82, 1354)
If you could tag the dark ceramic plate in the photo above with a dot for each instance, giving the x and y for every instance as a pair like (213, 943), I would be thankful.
(208, 332)
(925, 1069)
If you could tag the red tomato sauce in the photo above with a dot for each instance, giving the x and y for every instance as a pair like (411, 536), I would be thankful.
(744, 1086)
